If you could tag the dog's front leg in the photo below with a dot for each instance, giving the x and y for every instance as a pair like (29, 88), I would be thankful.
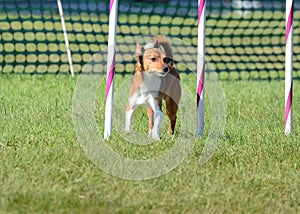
(158, 117)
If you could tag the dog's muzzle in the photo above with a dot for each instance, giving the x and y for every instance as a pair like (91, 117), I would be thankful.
(164, 71)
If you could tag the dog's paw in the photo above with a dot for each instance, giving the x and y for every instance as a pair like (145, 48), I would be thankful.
(127, 129)
(170, 131)
(155, 136)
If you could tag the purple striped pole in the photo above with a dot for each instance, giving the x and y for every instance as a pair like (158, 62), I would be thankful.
(113, 13)
(288, 67)
(200, 66)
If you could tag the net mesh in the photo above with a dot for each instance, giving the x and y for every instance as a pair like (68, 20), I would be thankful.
(244, 39)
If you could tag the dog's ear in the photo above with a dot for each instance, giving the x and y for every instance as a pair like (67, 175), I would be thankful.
(139, 50)
(155, 44)
(139, 53)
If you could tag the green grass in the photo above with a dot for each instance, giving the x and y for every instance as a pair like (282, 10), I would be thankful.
(43, 169)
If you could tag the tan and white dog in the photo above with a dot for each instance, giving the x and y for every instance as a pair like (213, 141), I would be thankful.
(155, 79)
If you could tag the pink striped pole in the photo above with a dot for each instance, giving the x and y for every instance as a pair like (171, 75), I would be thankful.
(113, 13)
(288, 67)
(200, 66)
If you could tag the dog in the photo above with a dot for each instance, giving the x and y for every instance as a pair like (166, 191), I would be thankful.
(155, 79)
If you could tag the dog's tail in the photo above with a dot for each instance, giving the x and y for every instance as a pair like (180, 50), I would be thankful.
(163, 41)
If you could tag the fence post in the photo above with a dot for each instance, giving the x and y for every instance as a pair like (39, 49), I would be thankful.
(63, 24)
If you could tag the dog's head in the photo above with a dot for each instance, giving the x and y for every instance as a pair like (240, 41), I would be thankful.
(151, 58)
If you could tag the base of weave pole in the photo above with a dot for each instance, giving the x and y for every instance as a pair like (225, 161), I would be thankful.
(200, 116)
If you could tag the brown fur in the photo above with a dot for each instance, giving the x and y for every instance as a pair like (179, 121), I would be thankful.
(154, 59)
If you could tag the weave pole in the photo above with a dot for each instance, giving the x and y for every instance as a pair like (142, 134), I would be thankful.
(63, 24)
(200, 66)
(113, 13)
(288, 67)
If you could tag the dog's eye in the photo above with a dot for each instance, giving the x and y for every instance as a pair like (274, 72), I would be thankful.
(166, 60)
(153, 59)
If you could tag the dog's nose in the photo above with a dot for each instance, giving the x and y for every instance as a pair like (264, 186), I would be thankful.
(165, 69)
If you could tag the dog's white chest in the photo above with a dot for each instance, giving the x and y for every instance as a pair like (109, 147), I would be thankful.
(148, 90)
(151, 83)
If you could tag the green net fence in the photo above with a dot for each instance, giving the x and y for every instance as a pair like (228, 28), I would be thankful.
(244, 39)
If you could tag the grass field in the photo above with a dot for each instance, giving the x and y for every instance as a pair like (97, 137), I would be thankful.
(43, 169)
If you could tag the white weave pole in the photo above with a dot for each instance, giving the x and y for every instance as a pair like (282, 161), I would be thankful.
(288, 67)
(200, 66)
(113, 14)
(63, 24)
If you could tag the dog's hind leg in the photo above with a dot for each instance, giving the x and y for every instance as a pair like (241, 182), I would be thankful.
(128, 118)
(172, 108)
(150, 120)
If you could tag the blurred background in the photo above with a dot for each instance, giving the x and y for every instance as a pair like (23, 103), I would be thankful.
(244, 39)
